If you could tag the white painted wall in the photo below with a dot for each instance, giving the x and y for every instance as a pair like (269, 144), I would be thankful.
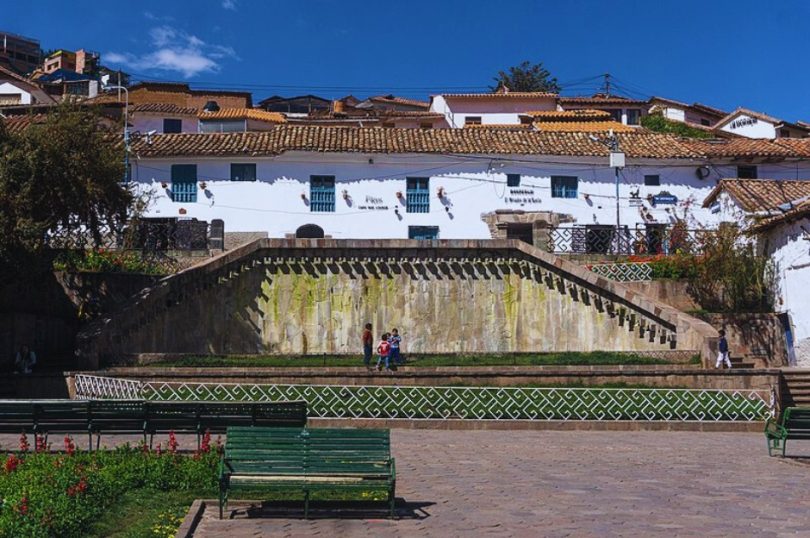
(751, 127)
(9, 88)
(675, 114)
(494, 110)
(153, 122)
(789, 247)
(273, 203)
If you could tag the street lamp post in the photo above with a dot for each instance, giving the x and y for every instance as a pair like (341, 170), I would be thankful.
(126, 126)
(617, 161)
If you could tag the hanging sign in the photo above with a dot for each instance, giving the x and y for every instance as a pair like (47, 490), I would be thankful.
(521, 196)
(664, 198)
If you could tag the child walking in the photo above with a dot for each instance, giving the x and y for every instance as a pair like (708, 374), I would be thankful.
(384, 349)
(395, 340)
(722, 348)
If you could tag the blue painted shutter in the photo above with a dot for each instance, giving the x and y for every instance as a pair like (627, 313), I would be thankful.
(417, 195)
(184, 183)
(322, 193)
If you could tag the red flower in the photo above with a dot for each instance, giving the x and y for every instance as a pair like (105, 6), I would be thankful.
(205, 446)
(172, 442)
(22, 508)
(12, 462)
(70, 448)
(24, 446)
(39, 443)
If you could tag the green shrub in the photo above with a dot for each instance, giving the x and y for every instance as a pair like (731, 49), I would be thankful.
(110, 261)
(58, 494)
(660, 124)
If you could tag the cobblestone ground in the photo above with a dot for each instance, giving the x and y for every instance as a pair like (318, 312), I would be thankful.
(522, 483)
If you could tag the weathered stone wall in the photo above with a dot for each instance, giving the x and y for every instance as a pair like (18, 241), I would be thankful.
(672, 292)
(314, 296)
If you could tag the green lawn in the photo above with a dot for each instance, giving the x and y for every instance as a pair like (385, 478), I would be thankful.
(416, 361)
(145, 513)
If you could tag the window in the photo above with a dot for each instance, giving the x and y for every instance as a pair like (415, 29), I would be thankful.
(472, 120)
(426, 125)
(389, 124)
(243, 172)
(633, 116)
(417, 195)
(615, 114)
(747, 172)
(184, 182)
(564, 186)
(513, 180)
(424, 233)
(172, 125)
(784, 133)
(652, 181)
(322, 193)
(705, 123)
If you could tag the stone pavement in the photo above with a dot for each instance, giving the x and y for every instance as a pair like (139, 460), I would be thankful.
(529, 483)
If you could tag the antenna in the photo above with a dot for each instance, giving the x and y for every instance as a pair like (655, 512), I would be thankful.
(607, 84)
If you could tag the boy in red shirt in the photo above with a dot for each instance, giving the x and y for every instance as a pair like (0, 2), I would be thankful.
(384, 349)
(368, 342)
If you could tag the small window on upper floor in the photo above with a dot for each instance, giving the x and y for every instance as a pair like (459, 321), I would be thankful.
(171, 125)
(426, 125)
(513, 180)
(243, 172)
(322, 194)
(389, 124)
(615, 114)
(472, 120)
(564, 186)
(652, 180)
(633, 116)
(705, 122)
(784, 133)
(747, 172)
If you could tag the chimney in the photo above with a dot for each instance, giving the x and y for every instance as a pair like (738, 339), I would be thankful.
(81, 59)
(337, 106)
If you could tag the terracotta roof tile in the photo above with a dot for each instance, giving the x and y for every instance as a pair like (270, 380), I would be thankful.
(600, 100)
(243, 114)
(18, 124)
(800, 210)
(393, 99)
(584, 126)
(756, 195)
(568, 115)
(498, 95)
(164, 108)
(375, 140)
(751, 147)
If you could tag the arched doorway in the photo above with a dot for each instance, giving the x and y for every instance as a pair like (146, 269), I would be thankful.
(309, 231)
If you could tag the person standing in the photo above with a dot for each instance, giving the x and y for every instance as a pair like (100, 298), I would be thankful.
(722, 348)
(25, 360)
(395, 340)
(384, 349)
(368, 343)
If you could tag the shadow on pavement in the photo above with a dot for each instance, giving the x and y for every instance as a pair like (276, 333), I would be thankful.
(334, 510)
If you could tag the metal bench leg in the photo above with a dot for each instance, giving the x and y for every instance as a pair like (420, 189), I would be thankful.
(306, 504)
(392, 500)
(90, 441)
(221, 499)
(98, 441)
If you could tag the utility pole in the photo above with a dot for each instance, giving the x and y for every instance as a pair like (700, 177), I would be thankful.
(607, 84)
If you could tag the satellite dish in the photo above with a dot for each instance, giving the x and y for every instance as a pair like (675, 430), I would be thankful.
(702, 172)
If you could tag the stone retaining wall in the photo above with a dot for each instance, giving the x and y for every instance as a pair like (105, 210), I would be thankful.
(314, 296)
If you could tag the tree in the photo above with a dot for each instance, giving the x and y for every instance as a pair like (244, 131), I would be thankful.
(658, 123)
(527, 77)
(60, 183)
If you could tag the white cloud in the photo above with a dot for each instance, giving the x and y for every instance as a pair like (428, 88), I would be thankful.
(229, 4)
(175, 50)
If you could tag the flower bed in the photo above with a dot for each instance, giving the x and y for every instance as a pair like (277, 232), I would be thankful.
(58, 494)
(112, 261)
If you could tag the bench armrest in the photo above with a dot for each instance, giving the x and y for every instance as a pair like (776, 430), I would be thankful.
(774, 430)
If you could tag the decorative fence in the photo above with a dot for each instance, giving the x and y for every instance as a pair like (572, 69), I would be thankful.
(606, 239)
(623, 272)
(146, 235)
(468, 403)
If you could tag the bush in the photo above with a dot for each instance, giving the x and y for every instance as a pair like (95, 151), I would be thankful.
(675, 266)
(109, 261)
(57, 494)
(660, 124)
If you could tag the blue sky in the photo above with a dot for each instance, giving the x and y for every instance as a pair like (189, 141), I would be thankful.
(724, 53)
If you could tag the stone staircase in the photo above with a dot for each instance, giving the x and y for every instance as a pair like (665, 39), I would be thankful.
(797, 387)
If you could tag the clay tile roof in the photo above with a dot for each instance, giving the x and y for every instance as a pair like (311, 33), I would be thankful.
(164, 108)
(584, 126)
(756, 195)
(312, 138)
(420, 114)
(600, 100)
(568, 115)
(399, 100)
(18, 124)
(498, 95)
(519, 126)
(243, 114)
(798, 211)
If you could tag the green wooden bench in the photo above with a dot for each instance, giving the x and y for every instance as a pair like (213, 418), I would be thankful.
(17, 416)
(116, 416)
(795, 424)
(306, 461)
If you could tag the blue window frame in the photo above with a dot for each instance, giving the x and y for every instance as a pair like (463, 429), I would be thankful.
(564, 186)
(423, 233)
(513, 180)
(243, 172)
(417, 195)
(322, 194)
(184, 182)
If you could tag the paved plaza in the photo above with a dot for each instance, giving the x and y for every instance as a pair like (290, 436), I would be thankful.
(545, 483)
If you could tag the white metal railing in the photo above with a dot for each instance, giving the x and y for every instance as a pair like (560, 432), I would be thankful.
(470, 403)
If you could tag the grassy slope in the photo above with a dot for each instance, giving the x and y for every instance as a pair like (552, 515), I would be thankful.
(571, 358)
